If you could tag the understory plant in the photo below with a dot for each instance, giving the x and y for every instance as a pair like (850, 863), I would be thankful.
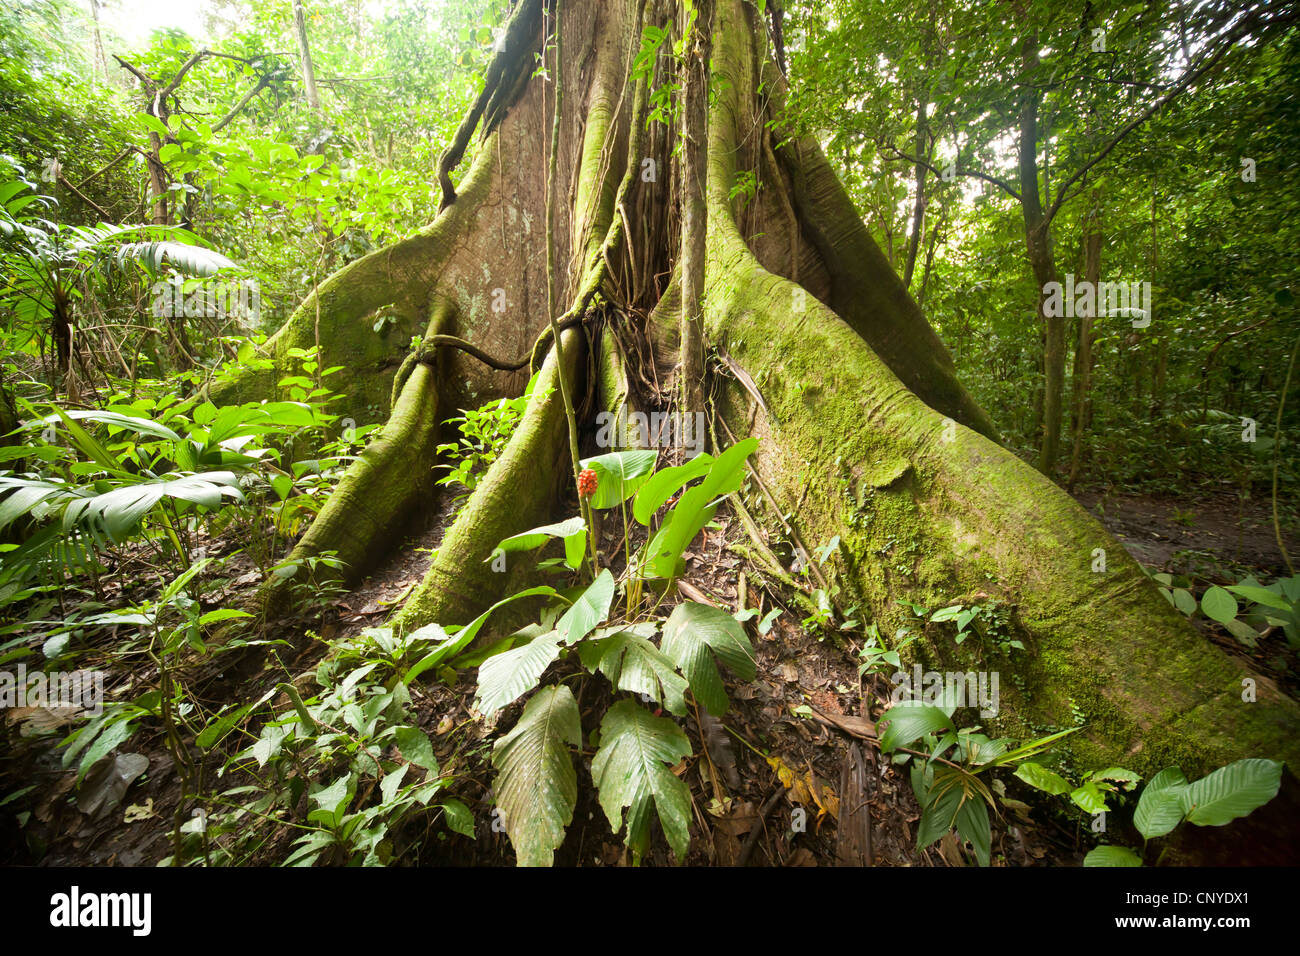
(951, 767)
(657, 666)
(1168, 800)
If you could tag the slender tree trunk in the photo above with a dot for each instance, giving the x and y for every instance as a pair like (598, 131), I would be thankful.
(1038, 244)
(1083, 361)
(100, 61)
(918, 206)
(695, 106)
(304, 53)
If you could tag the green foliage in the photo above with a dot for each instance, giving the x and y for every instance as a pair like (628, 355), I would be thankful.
(947, 764)
(484, 434)
(353, 752)
(989, 619)
(1245, 610)
(876, 658)
(538, 788)
(1167, 800)
(632, 770)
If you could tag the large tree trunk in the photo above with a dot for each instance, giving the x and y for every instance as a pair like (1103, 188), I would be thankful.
(865, 431)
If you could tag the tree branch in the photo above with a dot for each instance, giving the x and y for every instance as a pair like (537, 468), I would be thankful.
(960, 172)
(262, 84)
(1208, 61)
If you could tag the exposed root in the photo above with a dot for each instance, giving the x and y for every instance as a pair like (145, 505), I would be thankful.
(518, 492)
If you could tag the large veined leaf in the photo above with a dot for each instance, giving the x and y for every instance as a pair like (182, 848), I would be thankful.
(1219, 605)
(189, 259)
(506, 677)
(1041, 778)
(26, 494)
(1232, 791)
(694, 509)
(633, 664)
(633, 769)
(143, 426)
(462, 638)
(573, 531)
(972, 824)
(589, 609)
(664, 484)
(619, 474)
(1112, 856)
(939, 813)
(118, 512)
(536, 785)
(907, 721)
(1160, 808)
(693, 635)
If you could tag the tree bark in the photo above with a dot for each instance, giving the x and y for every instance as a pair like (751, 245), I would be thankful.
(304, 53)
(1083, 360)
(865, 432)
(1038, 244)
(695, 108)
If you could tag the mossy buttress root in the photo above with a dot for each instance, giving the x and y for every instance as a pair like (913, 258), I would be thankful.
(932, 511)
(519, 491)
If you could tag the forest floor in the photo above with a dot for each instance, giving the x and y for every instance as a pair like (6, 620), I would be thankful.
(770, 783)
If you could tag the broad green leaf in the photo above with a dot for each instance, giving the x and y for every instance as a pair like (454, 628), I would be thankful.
(462, 638)
(693, 635)
(1041, 778)
(536, 785)
(222, 614)
(633, 769)
(619, 474)
(1232, 791)
(392, 782)
(1184, 601)
(1088, 798)
(633, 664)
(1261, 596)
(1219, 605)
(505, 677)
(536, 537)
(939, 815)
(142, 426)
(1160, 807)
(908, 721)
(1112, 856)
(458, 816)
(664, 484)
(1126, 779)
(416, 747)
(590, 608)
(114, 734)
(573, 531)
(694, 509)
(946, 614)
(972, 824)
(333, 801)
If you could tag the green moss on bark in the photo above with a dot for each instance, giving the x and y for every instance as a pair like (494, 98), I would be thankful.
(929, 510)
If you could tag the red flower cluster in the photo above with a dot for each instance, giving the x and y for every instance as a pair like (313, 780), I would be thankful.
(586, 483)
